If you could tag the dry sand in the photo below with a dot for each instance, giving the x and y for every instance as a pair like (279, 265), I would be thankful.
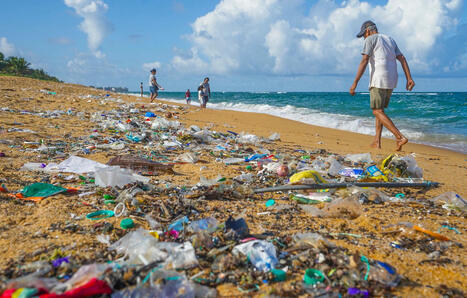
(31, 231)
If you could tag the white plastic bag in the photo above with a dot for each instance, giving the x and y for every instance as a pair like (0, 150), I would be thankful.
(116, 176)
(359, 158)
(262, 254)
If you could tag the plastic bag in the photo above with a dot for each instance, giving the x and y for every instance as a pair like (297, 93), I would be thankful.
(311, 239)
(340, 208)
(33, 166)
(42, 190)
(182, 256)
(244, 177)
(116, 176)
(275, 137)
(79, 165)
(83, 275)
(209, 182)
(261, 254)
(163, 124)
(239, 226)
(206, 224)
(359, 158)
(334, 167)
(178, 224)
(452, 199)
(32, 281)
(139, 247)
(188, 157)
(248, 139)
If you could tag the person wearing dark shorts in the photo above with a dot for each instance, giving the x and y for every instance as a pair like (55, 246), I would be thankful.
(381, 52)
(153, 85)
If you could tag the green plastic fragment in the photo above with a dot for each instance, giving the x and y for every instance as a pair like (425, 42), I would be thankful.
(279, 275)
(313, 276)
(42, 190)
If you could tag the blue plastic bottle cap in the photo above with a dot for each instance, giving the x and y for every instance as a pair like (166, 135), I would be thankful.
(270, 203)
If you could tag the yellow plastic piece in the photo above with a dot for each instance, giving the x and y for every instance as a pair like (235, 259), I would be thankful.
(307, 174)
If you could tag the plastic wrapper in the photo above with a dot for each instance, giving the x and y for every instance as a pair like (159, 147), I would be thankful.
(261, 254)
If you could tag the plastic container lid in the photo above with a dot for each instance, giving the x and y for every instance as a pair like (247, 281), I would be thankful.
(127, 223)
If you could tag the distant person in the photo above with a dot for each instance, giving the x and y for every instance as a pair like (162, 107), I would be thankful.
(200, 95)
(381, 52)
(141, 86)
(206, 92)
(188, 97)
(154, 87)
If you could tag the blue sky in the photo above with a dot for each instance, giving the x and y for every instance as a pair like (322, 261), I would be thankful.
(243, 45)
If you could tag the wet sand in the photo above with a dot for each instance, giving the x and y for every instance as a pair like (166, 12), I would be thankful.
(31, 231)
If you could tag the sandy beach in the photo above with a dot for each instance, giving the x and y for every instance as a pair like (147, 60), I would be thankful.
(32, 231)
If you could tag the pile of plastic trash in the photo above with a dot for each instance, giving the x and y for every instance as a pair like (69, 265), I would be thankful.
(165, 248)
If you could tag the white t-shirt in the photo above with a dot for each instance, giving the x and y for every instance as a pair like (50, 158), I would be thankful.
(383, 51)
(151, 76)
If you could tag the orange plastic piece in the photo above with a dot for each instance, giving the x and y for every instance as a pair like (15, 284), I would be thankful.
(430, 233)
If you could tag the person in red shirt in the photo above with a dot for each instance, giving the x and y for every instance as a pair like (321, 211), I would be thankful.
(188, 97)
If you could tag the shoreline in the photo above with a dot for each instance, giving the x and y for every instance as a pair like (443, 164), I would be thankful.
(181, 102)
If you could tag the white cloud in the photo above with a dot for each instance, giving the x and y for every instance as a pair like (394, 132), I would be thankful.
(150, 65)
(281, 37)
(8, 49)
(86, 68)
(95, 23)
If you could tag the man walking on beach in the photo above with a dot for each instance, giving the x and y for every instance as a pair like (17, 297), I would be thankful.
(206, 93)
(381, 52)
(153, 86)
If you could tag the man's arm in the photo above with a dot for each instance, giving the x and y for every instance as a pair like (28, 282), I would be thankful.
(360, 72)
(156, 84)
(405, 66)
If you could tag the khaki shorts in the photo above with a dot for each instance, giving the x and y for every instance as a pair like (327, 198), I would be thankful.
(379, 98)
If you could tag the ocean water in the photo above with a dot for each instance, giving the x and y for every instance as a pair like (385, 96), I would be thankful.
(434, 118)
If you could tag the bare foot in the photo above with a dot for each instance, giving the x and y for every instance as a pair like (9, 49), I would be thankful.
(401, 142)
(375, 145)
